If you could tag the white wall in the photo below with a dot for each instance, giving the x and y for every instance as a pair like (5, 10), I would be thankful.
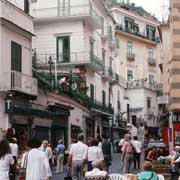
(4, 118)
(8, 35)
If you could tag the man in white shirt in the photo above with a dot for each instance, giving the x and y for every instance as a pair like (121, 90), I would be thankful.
(77, 156)
(48, 151)
(14, 151)
(94, 154)
(96, 170)
(137, 155)
(37, 162)
(44, 147)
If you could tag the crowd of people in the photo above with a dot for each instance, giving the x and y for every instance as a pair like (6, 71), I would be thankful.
(85, 159)
(36, 161)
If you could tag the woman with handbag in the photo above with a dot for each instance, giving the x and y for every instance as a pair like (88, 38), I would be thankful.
(6, 159)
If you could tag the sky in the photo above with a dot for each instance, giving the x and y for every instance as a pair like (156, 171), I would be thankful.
(154, 6)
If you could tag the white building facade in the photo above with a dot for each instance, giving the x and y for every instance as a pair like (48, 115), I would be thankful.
(79, 38)
(16, 81)
(140, 58)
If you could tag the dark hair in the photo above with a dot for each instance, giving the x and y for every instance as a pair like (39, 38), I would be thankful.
(104, 136)
(34, 143)
(4, 148)
(135, 138)
(80, 137)
(94, 142)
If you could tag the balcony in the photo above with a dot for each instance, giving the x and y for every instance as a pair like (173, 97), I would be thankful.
(102, 108)
(19, 82)
(106, 34)
(107, 74)
(15, 15)
(151, 62)
(130, 56)
(73, 60)
(138, 84)
(115, 79)
(81, 11)
(139, 35)
(114, 44)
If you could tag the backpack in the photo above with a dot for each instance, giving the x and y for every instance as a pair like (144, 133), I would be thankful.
(106, 148)
(130, 148)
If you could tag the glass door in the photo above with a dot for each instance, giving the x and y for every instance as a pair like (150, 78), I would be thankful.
(64, 8)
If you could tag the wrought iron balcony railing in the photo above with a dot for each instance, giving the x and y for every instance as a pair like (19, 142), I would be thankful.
(136, 33)
(72, 59)
(142, 84)
(130, 56)
(151, 61)
(81, 10)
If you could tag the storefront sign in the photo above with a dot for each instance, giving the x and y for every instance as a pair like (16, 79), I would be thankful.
(163, 100)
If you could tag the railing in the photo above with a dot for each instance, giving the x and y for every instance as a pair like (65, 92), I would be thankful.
(16, 81)
(130, 56)
(151, 62)
(141, 84)
(102, 107)
(72, 58)
(138, 34)
(67, 11)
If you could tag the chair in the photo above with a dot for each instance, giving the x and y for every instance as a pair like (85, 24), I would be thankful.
(97, 178)
(161, 177)
(117, 177)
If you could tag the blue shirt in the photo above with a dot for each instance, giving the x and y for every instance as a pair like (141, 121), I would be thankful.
(60, 148)
(148, 175)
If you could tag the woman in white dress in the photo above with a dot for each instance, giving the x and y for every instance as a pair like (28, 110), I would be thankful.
(37, 162)
(6, 159)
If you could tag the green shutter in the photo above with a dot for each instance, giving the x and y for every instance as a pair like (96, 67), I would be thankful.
(92, 91)
(16, 57)
(104, 98)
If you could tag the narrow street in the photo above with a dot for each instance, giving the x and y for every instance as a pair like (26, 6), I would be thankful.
(115, 168)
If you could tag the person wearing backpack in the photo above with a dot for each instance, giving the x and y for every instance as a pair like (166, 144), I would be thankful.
(127, 154)
(147, 173)
(105, 145)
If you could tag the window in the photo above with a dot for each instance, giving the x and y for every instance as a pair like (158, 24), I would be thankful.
(118, 101)
(150, 32)
(16, 57)
(26, 6)
(92, 90)
(104, 57)
(129, 47)
(148, 102)
(129, 75)
(104, 98)
(110, 32)
(150, 55)
(136, 28)
(151, 78)
(91, 46)
(63, 49)
(129, 23)
(63, 8)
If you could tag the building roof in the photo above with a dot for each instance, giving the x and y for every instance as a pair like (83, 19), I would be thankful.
(139, 10)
